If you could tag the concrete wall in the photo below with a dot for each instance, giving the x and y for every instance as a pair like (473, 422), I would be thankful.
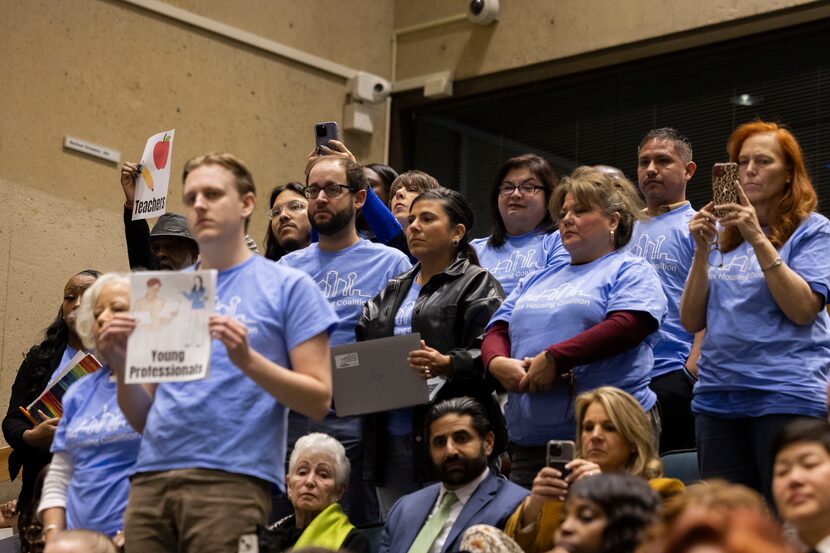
(114, 74)
(534, 32)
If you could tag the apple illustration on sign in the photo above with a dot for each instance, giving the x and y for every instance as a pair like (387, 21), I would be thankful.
(161, 151)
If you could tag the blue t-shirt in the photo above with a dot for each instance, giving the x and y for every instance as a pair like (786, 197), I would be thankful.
(519, 256)
(349, 278)
(754, 361)
(226, 421)
(560, 302)
(400, 422)
(403, 318)
(103, 448)
(665, 242)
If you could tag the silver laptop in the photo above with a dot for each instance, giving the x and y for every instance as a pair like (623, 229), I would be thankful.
(374, 376)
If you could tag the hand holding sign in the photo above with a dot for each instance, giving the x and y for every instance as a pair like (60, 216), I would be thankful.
(154, 177)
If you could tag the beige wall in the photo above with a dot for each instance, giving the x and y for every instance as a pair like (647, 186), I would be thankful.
(113, 74)
(549, 31)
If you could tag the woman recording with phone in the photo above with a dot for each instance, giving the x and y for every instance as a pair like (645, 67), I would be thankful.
(758, 284)
(613, 436)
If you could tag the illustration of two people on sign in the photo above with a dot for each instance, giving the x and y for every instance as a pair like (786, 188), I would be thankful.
(155, 311)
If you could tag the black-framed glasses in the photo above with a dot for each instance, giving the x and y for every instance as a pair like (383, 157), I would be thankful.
(332, 190)
(524, 189)
(291, 207)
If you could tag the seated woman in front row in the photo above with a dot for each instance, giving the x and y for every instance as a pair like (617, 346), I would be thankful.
(606, 513)
(613, 434)
(318, 473)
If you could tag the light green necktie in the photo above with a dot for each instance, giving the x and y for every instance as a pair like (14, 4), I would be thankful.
(433, 527)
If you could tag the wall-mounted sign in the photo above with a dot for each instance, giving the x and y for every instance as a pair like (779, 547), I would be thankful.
(89, 148)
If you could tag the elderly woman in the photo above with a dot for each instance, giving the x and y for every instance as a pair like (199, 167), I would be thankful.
(575, 326)
(614, 435)
(605, 513)
(318, 473)
(448, 299)
(758, 284)
(523, 238)
(31, 443)
(94, 447)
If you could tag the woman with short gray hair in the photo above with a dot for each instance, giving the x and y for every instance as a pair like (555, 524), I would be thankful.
(318, 473)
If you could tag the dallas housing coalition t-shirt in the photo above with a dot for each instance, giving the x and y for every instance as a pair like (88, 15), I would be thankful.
(519, 256)
(348, 278)
(226, 421)
(103, 448)
(754, 361)
(558, 303)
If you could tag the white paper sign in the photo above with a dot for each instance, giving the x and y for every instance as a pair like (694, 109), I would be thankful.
(154, 176)
(171, 342)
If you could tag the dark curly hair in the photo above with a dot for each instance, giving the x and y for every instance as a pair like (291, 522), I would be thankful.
(628, 502)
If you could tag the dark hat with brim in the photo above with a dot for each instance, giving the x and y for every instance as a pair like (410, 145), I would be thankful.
(171, 224)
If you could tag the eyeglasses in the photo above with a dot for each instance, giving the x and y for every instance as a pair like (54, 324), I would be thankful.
(331, 190)
(524, 189)
(291, 207)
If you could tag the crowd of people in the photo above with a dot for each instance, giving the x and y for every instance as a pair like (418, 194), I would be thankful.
(620, 320)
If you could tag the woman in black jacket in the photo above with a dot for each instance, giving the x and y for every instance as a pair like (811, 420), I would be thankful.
(449, 300)
(31, 442)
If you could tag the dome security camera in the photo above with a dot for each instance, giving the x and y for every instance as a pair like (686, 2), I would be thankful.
(483, 12)
(366, 87)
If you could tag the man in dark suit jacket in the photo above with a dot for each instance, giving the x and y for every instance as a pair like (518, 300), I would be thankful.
(433, 520)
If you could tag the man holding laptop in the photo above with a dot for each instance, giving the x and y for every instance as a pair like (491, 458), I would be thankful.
(349, 271)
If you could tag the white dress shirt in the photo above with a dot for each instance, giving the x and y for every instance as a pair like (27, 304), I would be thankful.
(463, 493)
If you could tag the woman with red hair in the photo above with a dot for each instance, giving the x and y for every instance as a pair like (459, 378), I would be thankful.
(758, 284)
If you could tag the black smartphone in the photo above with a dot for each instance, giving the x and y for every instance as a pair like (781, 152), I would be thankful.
(560, 453)
(325, 131)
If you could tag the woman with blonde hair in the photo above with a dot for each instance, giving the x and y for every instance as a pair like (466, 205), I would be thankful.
(579, 323)
(614, 435)
(759, 283)
(624, 414)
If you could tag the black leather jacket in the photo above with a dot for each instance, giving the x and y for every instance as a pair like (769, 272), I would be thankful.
(451, 313)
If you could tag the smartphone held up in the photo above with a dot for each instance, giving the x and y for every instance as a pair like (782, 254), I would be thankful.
(325, 132)
(559, 454)
(724, 191)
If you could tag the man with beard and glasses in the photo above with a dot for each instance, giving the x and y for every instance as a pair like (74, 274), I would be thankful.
(349, 272)
(433, 520)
